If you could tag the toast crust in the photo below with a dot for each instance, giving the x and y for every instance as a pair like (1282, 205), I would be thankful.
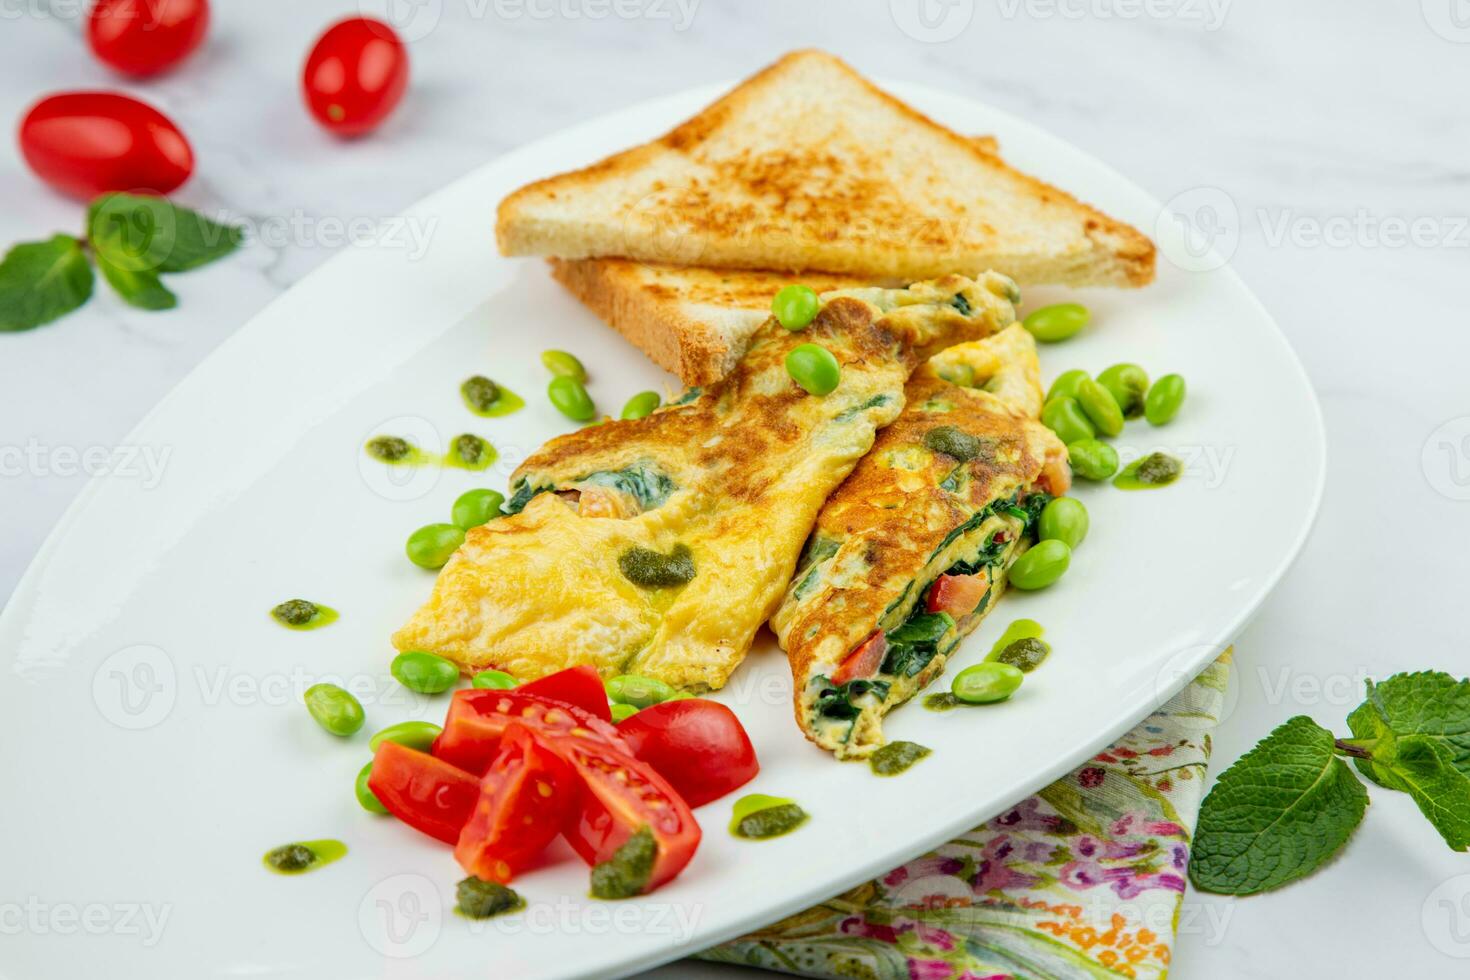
(732, 187)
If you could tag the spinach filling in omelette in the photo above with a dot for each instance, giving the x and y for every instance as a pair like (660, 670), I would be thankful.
(658, 546)
(912, 550)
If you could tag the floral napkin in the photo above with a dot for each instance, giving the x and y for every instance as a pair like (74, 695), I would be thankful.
(1083, 879)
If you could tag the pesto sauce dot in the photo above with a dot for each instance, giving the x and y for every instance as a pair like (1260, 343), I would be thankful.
(626, 873)
(654, 570)
(480, 393)
(1025, 654)
(480, 899)
(389, 449)
(896, 757)
(291, 857)
(952, 442)
(771, 822)
(469, 449)
(1158, 468)
(295, 612)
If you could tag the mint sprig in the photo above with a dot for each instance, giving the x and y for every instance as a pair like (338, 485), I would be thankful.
(1287, 806)
(41, 281)
(132, 239)
(1280, 812)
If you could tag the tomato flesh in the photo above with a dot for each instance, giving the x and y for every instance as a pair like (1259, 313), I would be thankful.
(525, 798)
(355, 76)
(864, 661)
(428, 794)
(146, 37)
(478, 719)
(90, 143)
(699, 746)
(579, 686)
(958, 595)
(621, 795)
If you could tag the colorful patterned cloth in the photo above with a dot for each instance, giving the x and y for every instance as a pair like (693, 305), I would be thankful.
(1084, 879)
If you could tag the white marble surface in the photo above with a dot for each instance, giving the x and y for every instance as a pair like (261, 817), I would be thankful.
(1326, 128)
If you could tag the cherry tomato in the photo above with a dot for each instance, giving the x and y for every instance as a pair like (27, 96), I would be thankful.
(355, 75)
(864, 661)
(620, 796)
(428, 794)
(525, 798)
(699, 746)
(146, 37)
(580, 686)
(478, 718)
(958, 595)
(90, 143)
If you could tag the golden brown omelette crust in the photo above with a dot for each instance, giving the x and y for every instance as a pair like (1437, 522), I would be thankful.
(904, 515)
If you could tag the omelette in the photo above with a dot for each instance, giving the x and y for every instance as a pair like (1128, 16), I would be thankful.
(658, 546)
(911, 552)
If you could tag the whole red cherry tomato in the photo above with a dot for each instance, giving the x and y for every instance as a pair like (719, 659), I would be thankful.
(89, 143)
(355, 75)
(146, 37)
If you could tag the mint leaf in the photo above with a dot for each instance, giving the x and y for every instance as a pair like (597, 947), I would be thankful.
(1429, 703)
(150, 234)
(139, 288)
(1425, 767)
(1279, 813)
(41, 281)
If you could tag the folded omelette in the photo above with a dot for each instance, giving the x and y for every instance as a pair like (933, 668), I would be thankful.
(911, 552)
(658, 546)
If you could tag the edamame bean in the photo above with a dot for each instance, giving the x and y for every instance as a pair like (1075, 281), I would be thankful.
(1064, 520)
(418, 735)
(1066, 418)
(493, 680)
(622, 712)
(1053, 323)
(334, 709)
(424, 673)
(1101, 409)
(1041, 566)
(1065, 386)
(814, 368)
(1092, 459)
(564, 365)
(433, 544)
(365, 796)
(476, 507)
(1163, 399)
(570, 398)
(640, 692)
(796, 307)
(642, 405)
(959, 374)
(986, 683)
(1127, 383)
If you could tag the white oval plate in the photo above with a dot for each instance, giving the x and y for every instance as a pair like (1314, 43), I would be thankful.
(155, 746)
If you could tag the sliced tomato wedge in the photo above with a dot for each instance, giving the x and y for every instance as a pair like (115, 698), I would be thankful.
(958, 595)
(428, 794)
(478, 718)
(621, 796)
(524, 800)
(864, 661)
(699, 746)
(579, 686)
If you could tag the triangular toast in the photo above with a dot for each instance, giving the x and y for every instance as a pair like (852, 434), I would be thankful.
(807, 166)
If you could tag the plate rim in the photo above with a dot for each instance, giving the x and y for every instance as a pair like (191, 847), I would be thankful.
(20, 600)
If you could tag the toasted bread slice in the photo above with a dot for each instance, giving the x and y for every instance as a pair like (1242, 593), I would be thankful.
(808, 166)
(689, 321)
